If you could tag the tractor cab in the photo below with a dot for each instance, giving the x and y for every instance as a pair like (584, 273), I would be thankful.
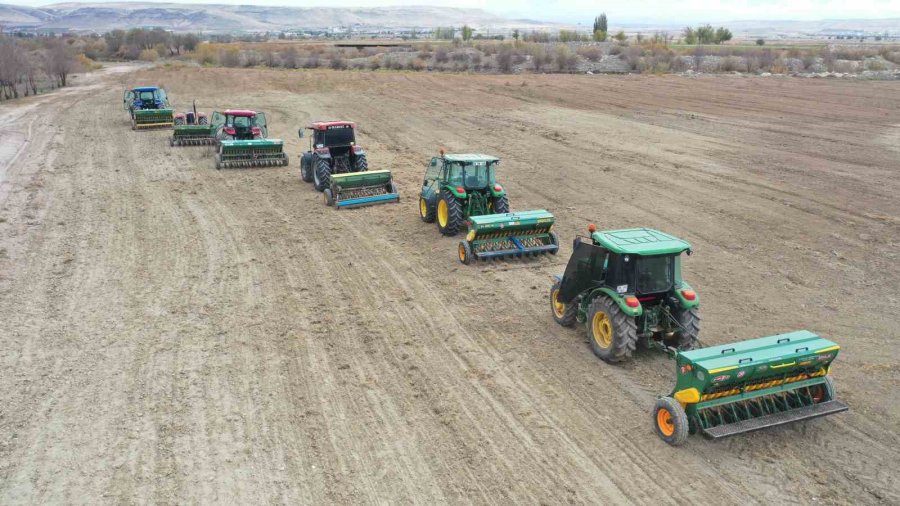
(336, 139)
(145, 98)
(641, 266)
(240, 125)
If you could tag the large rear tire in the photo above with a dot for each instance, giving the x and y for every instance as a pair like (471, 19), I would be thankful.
(361, 164)
(449, 214)
(500, 204)
(564, 314)
(689, 335)
(323, 174)
(613, 334)
(179, 121)
(426, 212)
(306, 171)
(670, 421)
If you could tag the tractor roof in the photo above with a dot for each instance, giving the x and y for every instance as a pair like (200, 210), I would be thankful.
(640, 241)
(322, 125)
(146, 88)
(240, 113)
(469, 158)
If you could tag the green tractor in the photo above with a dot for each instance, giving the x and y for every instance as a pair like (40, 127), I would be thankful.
(626, 287)
(462, 189)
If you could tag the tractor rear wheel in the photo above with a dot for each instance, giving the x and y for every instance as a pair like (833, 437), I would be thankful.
(323, 174)
(689, 334)
(306, 172)
(203, 120)
(500, 204)
(361, 164)
(670, 421)
(179, 121)
(613, 333)
(564, 314)
(449, 214)
(426, 212)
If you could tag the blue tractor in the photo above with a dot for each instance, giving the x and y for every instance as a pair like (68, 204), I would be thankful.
(148, 107)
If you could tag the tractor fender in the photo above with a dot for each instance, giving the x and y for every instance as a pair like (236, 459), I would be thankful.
(495, 193)
(619, 299)
(325, 155)
(684, 303)
(452, 190)
(358, 150)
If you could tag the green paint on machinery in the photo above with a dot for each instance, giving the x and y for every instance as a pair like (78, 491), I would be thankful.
(145, 119)
(357, 189)
(626, 287)
(193, 135)
(462, 189)
(750, 385)
(525, 233)
(251, 153)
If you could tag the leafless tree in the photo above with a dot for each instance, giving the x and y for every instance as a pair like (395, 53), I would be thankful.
(59, 62)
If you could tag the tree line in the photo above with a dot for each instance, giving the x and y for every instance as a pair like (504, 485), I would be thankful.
(27, 66)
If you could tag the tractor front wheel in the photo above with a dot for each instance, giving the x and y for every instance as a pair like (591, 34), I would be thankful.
(564, 314)
(500, 204)
(670, 421)
(323, 174)
(613, 333)
(306, 172)
(449, 214)
(689, 333)
(426, 212)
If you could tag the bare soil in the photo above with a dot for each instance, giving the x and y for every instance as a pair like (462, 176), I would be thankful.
(176, 334)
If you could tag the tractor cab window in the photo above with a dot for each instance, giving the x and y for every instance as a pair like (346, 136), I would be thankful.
(654, 274)
(478, 175)
(146, 96)
(339, 135)
(319, 137)
(454, 173)
(433, 170)
(240, 121)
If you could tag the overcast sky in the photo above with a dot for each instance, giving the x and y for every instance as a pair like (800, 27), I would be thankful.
(649, 11)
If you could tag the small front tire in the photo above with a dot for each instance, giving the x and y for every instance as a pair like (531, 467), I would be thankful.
(670, 421)
(564, 314)
(465, 253)
(426, 212)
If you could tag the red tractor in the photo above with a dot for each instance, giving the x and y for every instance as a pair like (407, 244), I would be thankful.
(191, 117)
(332, 150)
(240, 125)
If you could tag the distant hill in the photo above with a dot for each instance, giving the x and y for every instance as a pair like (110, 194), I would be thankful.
(206, 17)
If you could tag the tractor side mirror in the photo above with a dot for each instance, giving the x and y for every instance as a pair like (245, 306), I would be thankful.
(689, 252)
(300, 133)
